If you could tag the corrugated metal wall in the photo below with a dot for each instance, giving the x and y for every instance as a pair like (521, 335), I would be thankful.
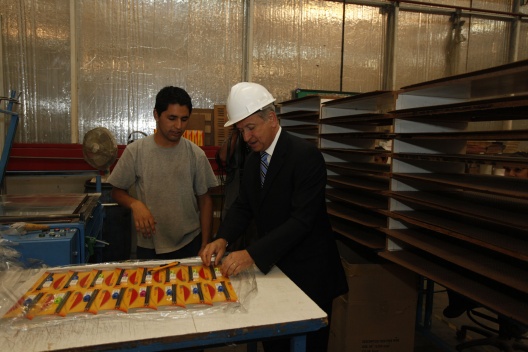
(127, 50)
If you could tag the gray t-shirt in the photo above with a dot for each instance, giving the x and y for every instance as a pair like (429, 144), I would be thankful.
(167, 181)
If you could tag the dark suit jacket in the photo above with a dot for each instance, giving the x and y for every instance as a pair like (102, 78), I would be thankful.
(293, 228)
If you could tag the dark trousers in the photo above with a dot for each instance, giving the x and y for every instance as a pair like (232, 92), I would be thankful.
(316, 341)
(190, 250)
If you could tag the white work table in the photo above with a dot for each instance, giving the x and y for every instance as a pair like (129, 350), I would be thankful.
(279, 308)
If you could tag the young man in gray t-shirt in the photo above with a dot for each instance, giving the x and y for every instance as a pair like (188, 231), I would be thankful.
(173, 211)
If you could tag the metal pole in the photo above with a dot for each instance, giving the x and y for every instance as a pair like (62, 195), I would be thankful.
(249, 9)
(389, 65)
(9, 138)
(515, 33)
(73, 74)
(2, 91)
(514, 48)
(342, 48)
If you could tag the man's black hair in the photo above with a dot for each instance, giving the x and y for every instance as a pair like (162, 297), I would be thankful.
(172, 95)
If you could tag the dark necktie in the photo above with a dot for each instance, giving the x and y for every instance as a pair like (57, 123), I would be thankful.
(263, 167)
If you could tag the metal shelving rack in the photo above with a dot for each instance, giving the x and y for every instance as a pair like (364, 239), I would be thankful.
(468, 232)
(350, 130)
(300, 116)
(427, 210)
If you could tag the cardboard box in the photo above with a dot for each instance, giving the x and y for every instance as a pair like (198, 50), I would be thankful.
(195, 136)
(378, 314)
(220, 118)
(201, 120)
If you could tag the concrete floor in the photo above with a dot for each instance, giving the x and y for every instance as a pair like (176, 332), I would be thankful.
(442, 335)
(440, 338)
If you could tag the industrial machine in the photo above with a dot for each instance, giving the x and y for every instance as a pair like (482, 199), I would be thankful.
(55, 247)
(73, 222)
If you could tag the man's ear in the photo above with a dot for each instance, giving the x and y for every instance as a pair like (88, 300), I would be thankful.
(273, 117)
(155, 113)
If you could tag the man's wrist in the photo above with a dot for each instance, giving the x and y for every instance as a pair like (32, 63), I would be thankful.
(226, 243)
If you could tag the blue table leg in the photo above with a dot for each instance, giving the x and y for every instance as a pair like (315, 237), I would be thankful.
(424, 309)
(252, 347)
(298, 343)
(429, 304)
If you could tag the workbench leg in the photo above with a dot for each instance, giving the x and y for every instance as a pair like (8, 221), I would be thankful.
(424, 309)
(298, 343)
(251, 347)
(428, 314)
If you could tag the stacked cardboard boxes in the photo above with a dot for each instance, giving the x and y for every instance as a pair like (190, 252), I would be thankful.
(200, 124)
(378, 314)
(221, 133)
(211, 123)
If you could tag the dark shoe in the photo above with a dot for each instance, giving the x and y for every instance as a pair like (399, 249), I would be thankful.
(454, 311)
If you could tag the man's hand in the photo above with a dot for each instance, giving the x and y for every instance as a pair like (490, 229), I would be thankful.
(201, 250)
(236, 262)
(216, 248)
(143, 219)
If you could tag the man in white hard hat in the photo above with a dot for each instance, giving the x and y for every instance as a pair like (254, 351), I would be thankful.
(287, 204)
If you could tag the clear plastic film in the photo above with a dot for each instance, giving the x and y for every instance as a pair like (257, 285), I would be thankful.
(158, 290)
(9, 257)
(86, 64)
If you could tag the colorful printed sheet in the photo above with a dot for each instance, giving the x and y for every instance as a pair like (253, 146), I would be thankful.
(127, 290)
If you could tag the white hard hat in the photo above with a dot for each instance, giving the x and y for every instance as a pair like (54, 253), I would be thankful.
(244, 100)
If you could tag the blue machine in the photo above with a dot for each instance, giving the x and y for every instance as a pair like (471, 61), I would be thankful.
(75, 222)
(76, 219)
(10, 135)
(55, 247)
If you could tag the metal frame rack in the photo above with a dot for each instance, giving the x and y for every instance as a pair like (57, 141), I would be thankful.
(10, 136)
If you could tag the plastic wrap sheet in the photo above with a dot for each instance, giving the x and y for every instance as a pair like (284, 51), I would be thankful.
(9, 258)
(523, 40)
(448, 2)
(296, 44)
(429, 47)
(364, 49)
(491, 5)
(488, 43)
(160, 290)
(36, 64)
(424, 48)
(504, 5)
(129, 50)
